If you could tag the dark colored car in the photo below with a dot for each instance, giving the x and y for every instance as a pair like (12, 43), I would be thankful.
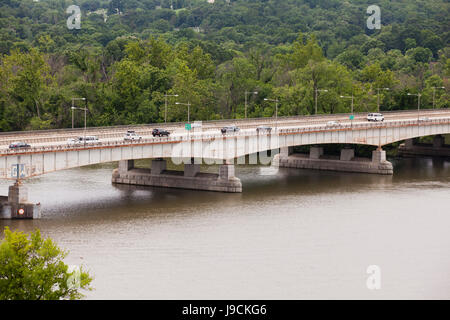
(19, 145)
(229, 129)
(263, 129)
(160, 132)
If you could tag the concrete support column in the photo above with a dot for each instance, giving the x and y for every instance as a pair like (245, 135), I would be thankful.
(438, 141)
(378, 156)
(226, 172)
(17, 205)
(286, 152)
(125, 165)
(158, 166)
(190, 170)
(315, 152)
(347, 154)
(17, 194)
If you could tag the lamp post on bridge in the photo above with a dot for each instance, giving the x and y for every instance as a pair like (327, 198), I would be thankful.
(246, 93)
(73, 106)
(418, 104)
(434, 93)
(185, 104)
(378, 96)
(85, 116)
(165, 105)
(351, 116)
(315, 97)
(276, 111)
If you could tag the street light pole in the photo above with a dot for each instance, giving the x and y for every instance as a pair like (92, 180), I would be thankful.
(418, 103)
(348, 97)
(352, 116)
(352, 103)
(73, 106)
(276, 111)
(188, 105)
(85, 111)
(317, 90)
(165, 105)
(378, 97)
(85, 116)
(434, 93)
(246, 93)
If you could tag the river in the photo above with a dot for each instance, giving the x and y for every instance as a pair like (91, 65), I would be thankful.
(300, 234)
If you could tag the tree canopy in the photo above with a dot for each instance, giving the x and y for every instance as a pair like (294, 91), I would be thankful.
(129, 54)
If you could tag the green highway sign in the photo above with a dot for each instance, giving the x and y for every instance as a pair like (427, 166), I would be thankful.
(187, 126)
(352, 117)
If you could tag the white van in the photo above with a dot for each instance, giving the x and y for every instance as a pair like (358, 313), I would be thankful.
(375, 117)
(131, 135)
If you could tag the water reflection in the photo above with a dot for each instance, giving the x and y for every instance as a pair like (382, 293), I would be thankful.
(297, 234)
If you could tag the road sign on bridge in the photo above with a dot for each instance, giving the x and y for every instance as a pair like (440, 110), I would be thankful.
(18, 171)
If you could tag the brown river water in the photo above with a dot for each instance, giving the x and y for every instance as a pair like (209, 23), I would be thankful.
(299, 234)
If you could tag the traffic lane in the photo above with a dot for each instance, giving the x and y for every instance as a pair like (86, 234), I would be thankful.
(184, 133)
(271, 123)
(207, 127)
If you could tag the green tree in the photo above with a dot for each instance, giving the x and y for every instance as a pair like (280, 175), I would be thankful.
(25, 79)
(32, 268)
(303, 52)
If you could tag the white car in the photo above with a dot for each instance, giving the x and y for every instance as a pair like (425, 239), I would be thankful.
(196, 125)
(131, 136)
(375, 117)
(82, 140)
(333, 124)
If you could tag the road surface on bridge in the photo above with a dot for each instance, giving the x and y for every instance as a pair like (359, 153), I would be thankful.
(116, 133)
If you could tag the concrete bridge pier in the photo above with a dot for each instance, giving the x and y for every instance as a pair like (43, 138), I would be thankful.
(16, 205)
(191, 178)
(410, 148)
(347, 162)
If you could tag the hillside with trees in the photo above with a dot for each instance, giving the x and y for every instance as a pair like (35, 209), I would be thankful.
(129, 53)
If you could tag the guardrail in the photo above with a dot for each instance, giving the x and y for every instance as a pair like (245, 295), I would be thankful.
(210, 122)
(105, 132)
(203, 136)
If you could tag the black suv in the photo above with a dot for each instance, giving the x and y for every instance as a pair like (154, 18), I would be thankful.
(229, 129)
(160, 132)
(19, 145)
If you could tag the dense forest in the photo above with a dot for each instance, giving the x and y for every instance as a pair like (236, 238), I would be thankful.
(128, 54)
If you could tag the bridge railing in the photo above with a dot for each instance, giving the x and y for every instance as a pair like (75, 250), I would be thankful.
(106, 133)
(207, 123)
(212, 136)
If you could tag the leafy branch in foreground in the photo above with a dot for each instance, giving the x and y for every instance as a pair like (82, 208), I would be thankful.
(32, 268)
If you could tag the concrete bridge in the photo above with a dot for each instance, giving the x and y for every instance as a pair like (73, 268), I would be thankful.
(50, 151)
